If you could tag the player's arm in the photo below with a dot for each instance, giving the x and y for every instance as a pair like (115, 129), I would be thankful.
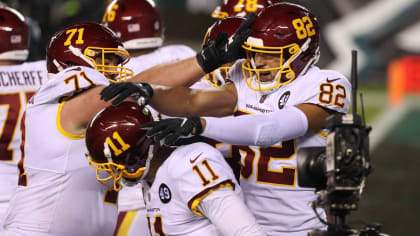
(181, 73)
(266, 130)
(79, 110)
(214, 54)
(182, 101)
(229, 214)
(176, 101)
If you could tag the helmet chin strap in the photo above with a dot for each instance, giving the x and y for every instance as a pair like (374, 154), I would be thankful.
(78, 53)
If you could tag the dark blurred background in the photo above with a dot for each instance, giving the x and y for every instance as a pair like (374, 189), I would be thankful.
(381, 30)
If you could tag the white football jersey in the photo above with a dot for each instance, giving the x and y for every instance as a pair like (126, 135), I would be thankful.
(162, 55)
(269, 174)
(17, 85)
(186, 177)
(58, 193)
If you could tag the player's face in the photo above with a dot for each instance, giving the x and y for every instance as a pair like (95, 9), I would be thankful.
(266, 61)
(109, 60)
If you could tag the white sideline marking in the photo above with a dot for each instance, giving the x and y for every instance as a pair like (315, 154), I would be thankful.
(385, 122)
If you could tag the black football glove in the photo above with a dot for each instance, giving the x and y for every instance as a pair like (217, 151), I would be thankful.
(222, 50)
(139, 92)
(173, 128)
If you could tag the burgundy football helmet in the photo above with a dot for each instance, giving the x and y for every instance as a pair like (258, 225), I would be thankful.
(137, 22)
(228, 25)
(117, 145)
(288, 31)
(240, 7)
(14, 34)
(82, 43)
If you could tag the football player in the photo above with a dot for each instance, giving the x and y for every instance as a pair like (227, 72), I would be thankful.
(139, 25)
(277, 77)
(18, 82)
(57, 191)
(189, 190)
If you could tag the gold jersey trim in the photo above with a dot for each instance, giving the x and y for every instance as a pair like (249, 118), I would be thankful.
(60, 129)
(193, 203)
(126, 223)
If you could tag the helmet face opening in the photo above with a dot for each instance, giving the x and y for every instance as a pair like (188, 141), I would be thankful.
(290, 33)
(110, 62)
(282, 69)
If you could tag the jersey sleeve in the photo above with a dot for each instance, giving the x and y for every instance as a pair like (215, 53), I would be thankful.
(331, 90)
(69, 82)
(201, 171)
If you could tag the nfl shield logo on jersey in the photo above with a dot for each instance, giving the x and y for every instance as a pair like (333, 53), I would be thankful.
(283, 99)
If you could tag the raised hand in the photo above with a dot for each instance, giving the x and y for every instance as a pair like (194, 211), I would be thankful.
(223, 49)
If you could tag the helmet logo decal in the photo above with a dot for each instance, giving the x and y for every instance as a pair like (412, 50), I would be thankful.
(304, 27)
(283, 99)
(124, 146)
(165, 194)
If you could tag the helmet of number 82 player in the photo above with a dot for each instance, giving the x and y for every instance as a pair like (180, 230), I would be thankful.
(137, 22)
(117, 146)
(228, 25)
(240, 7)
(285, 31)
(91, 45)
(14, 34)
